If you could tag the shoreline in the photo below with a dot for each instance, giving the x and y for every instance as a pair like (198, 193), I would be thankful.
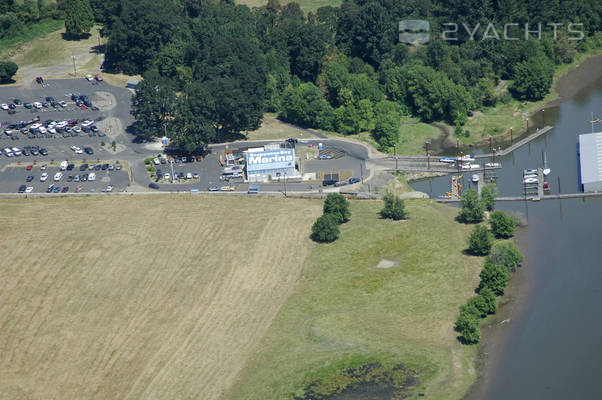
(514, 302)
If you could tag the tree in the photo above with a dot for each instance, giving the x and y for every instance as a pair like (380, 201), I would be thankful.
(494, 277)
(489, 300)
(305, 105)
(472, 208)
(476, 305)
(394, 208)
(502, 224)
(337, 205)
(154, 106)
(507, 254)
(488, 195)
(7, 70)
(532, 79)
(479, 242)
(468, 326)
(325, 229)
(78, 17)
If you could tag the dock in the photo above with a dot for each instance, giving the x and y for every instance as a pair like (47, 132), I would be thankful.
(518, 144)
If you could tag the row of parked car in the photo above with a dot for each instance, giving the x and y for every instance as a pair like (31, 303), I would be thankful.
(80, 100)
(25, 151)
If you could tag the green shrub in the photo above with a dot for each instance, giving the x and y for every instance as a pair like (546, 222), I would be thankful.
(506, 254)
(325, 229)
(467, 325)
(337, 205)
(494, 277)
(502, 224)
(488, 195)
(479, 242)
(394, 208)
(472, 208)
(489, 299)
(477, 305)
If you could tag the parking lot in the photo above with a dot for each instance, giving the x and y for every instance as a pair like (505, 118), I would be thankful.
(13, 177)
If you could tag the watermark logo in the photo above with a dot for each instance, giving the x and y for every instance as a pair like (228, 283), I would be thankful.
(417, 28)
(509, 31)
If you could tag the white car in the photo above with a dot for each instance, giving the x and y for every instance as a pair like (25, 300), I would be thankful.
(42, 129)
(43, 167)
(92, 176)
(77, 129)
(77, 150)
(37, 105)
(88, 123)
(16, 151)
(4, 106)
(89, 77)
(109, 188)
(156, 161)
(189, 175)
(52, 130)
(166, 176)
(29, 189)
(58, 176)
(63, 104)
(44, 177)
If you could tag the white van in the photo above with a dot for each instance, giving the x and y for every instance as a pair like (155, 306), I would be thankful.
(58, 176)
(64, 165)
(92, 176)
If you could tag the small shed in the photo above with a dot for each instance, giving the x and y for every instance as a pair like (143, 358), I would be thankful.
(132, 83)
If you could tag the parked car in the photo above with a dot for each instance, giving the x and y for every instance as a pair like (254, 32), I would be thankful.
(58, 176)
(213, 188)
(92, 176)
(353, 180)
(44, 177)
(22, 189)
(153, 185)
(29, 178)
(28, 106)
(50, 188)
(29, 189)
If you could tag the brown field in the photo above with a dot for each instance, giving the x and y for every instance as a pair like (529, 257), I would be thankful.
(156, 297)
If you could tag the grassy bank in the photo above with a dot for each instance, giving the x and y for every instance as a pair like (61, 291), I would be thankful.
(497, 121)
(31, 32)
(344, 311)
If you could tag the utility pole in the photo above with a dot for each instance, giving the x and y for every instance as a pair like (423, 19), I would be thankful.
(284, 183)
(428, 157)
(395, 155)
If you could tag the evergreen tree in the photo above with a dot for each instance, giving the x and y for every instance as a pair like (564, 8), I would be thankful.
(394, 207)
(337, 205)
(7, 70)
(325, 229)
(472, 208)
(495, 277)
(488, 195)
(78, 17)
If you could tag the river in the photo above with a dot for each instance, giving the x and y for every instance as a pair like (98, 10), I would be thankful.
(546, 342)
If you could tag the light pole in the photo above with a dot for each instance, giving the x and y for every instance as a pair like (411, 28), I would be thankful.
(74, 69)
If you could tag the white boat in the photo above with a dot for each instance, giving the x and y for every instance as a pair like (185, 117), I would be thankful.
(475, 166)
(546, 171)
(530, 176)
(475, 178)
(531, 180)
(529, 171)
(492, 165)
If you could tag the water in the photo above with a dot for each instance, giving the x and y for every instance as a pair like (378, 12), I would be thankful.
(552, 346)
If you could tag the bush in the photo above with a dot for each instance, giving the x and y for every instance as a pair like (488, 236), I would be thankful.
(494, 277)
(337, 205)
(488, 195)
(7, 70)
(394, 208)
(502, 224)
(468, 326)
(506, 254)
(476, 306)
(479, 242)
(325, 229)
(472, 208)
(490, 302)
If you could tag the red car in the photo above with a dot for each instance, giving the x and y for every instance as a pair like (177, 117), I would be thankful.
(29, 167)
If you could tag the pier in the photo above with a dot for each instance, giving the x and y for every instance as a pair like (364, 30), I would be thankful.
(518, 144)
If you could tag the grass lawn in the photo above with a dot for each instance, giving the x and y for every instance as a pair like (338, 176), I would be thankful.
(412, 136)
(146, 297)
(31, 32)
(344, 310)
(273, 128)
(306, 5)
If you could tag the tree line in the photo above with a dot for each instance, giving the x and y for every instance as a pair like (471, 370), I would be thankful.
(221, 65)
(16, 16)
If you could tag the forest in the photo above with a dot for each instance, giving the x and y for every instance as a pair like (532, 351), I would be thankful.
(212, 68)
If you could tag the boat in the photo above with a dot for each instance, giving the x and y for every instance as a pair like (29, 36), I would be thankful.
(546, 186)
(475, 178)
(530, 180)
(492, 165)
(530, 171)
(447, 160)
(594, 121)
(530, 176)
(546, 171)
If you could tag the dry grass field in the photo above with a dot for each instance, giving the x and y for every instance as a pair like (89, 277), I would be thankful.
(156, 297)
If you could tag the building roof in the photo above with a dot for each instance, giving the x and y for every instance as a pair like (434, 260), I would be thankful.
(132, 82)
(270, 160)
(590, 154)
